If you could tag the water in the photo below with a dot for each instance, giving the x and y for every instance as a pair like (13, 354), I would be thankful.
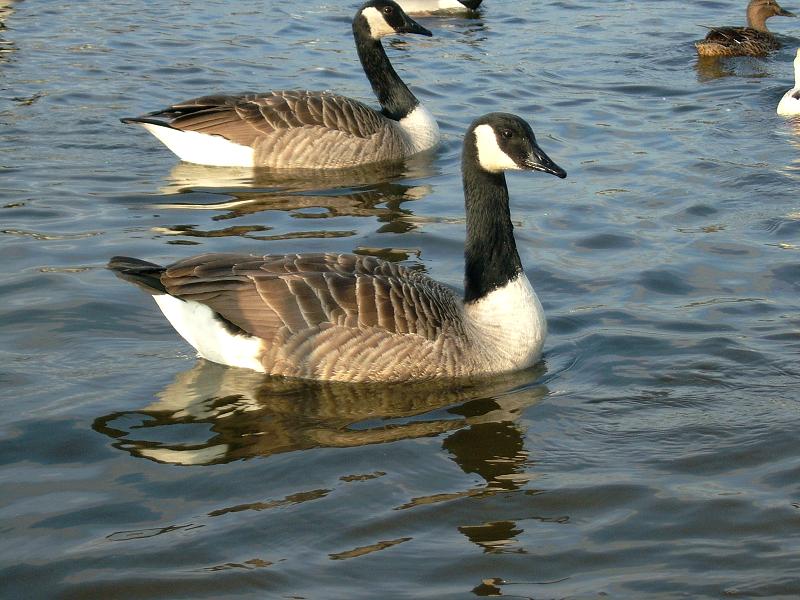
(653, 453)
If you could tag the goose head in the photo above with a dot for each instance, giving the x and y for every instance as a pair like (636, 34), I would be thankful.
(385, 17)
(505, 142)
(758, 11)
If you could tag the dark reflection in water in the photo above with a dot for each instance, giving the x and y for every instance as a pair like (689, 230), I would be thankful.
(375, 191)
(713, 67)
(186, 177)
(382, 201)
(7, 47)
(213, 414)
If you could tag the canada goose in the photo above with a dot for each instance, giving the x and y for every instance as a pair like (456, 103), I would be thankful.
(753, 40)
(790, 103)
(345, 317)
(301, 129)
(435, 6)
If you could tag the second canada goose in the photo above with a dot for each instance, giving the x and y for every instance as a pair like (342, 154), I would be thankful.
(307, 130)
(790, 103)
(753, 40)
(345, 317)
(436, 6)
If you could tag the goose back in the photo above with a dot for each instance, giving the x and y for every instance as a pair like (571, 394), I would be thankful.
(293, 128)
(433, 6)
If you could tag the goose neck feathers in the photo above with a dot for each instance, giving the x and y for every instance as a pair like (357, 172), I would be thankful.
(370, 24)
(490, 252)
(493, 144)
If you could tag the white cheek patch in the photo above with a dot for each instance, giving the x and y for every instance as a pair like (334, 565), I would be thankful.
(490, 156)
(378, 27)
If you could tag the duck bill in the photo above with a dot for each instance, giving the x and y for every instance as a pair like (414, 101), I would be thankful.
(537, 160)
(411, 26)
(786, 13)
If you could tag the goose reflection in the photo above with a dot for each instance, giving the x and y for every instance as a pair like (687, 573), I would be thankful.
(383, 203)
(6, 47)
(188, 177)
(212, 414)
(238, 194)
(790, 130)
(714, 67)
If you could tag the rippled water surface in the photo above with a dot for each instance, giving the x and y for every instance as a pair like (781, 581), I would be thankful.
(652, 454)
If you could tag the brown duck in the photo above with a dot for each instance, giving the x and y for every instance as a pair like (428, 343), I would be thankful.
(753, 40)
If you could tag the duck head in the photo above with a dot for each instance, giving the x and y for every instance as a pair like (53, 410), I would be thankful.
(758, 11)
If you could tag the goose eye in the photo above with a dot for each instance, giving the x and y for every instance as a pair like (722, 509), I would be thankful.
(387, 10)
(507, 133)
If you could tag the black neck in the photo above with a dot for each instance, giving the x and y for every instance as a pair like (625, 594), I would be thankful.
(396, 99)
(490, 252)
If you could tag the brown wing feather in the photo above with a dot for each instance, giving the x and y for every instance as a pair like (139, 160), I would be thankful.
(739, 41)
(278, 295)
(244, 118)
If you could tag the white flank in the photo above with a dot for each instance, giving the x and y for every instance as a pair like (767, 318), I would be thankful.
(202, 149)
(428, 6)
(789, 105)
(378, 27)
(196, 323)
(490, 156)
(421, 129)
(509, 323)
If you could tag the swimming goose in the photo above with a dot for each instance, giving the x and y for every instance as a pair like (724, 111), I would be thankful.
(435, 6)
(345, 317)
(301, 129)
(790, 103)
(753, 40)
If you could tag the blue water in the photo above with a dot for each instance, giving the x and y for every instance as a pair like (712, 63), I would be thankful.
(652, 454)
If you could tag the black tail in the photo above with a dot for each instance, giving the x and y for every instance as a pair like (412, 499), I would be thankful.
(146, 119)
(145, 274)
